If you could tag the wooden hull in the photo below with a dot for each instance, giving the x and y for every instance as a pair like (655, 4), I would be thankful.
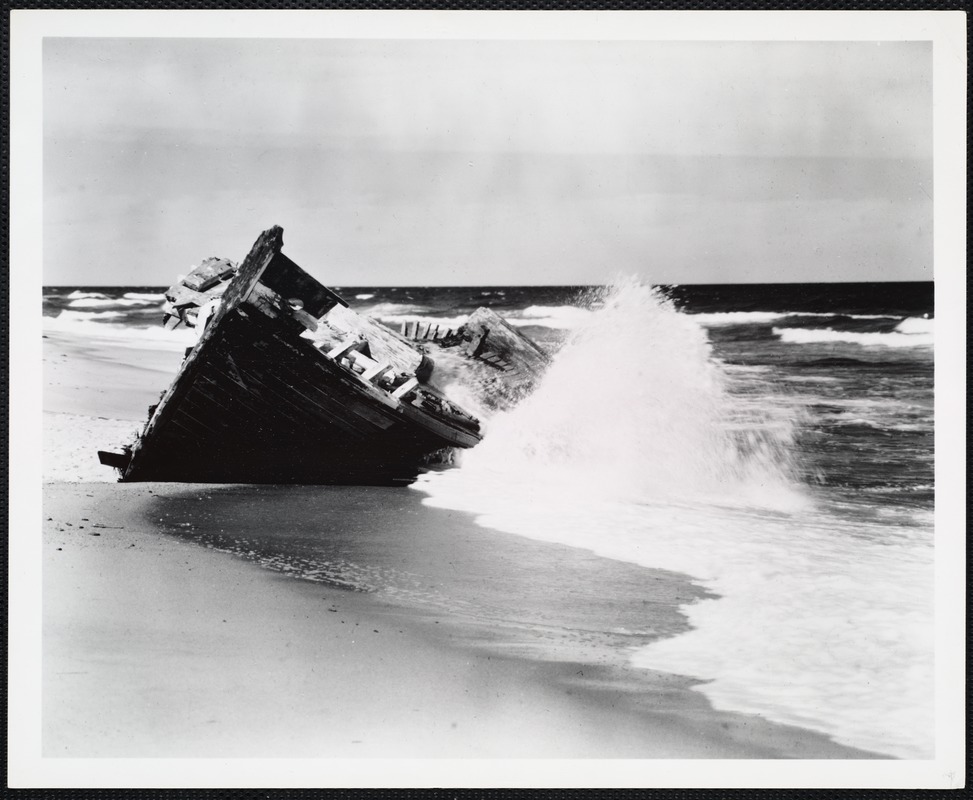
(254, 402)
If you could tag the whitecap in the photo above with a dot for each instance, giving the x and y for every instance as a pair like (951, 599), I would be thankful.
(148, 297)
(86, 325)
(894, 338)
(98, 302)
(560, 317)
(640, 453)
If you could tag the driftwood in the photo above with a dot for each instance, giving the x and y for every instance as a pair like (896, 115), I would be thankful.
(493, 340)
(209, 273)
(487, 337)
(504, 363)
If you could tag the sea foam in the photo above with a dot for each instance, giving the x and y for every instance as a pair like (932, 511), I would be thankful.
(635, 402)
(149, 297)
(105, 302)
(911, 332)
(636, 446)
(727, 318)
(561, 317)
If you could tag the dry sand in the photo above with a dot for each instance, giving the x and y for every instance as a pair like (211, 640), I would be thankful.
(96, 397)
(97, 377)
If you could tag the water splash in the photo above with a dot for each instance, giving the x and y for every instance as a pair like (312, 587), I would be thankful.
(635, 407)
(639, 445)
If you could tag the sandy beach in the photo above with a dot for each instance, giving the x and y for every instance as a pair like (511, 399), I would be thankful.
(155, 646)
(174, 627)
(708, 533)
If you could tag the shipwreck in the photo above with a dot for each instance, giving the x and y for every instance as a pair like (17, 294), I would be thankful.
(287, 384)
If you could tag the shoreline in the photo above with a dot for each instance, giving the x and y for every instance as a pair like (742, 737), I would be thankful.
(155, 647)
(489, 645)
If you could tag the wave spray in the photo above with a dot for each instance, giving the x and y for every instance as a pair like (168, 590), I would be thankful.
(638, 445)
(635, 407)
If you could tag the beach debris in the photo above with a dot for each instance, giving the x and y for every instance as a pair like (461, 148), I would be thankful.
(200, 289)
(503, 363)
(287, 384)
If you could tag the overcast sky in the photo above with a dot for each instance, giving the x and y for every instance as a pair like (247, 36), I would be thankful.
(489, 162)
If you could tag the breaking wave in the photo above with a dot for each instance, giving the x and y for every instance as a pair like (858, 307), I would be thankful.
(395, 321)
(639, 446)
(911, 332)
(385, 311)
(102, 302)
(721, 318)
(635, 403)
(561, 317)
(149, 297)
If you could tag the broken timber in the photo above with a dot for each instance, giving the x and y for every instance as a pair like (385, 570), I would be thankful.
(286, 384)
(511, 362)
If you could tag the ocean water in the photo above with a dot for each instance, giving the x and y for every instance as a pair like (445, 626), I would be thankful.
(774, 443)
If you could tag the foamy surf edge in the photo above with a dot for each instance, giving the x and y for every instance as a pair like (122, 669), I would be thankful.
(819, 623)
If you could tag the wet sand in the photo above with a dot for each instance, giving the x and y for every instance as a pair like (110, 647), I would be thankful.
(243, 621)
(157, 646)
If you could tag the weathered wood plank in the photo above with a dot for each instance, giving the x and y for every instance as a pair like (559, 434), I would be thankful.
(475, 345)
(116, 460)
(322, 383)
(295, 390)
(257, 260)
(254, 391)
(265, 300)
(384, 344)
(376, 373)
(289, 280)
(506, 341)
(345, 348)
(405, 388)
(180, 296)
(300, 315)
(209, 273)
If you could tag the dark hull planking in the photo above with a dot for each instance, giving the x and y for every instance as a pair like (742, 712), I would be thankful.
(256, 403)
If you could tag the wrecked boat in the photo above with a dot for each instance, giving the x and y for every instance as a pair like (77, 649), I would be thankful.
(287, 384)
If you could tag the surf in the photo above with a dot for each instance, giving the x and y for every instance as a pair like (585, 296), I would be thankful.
(638, 444)
(635, 407)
